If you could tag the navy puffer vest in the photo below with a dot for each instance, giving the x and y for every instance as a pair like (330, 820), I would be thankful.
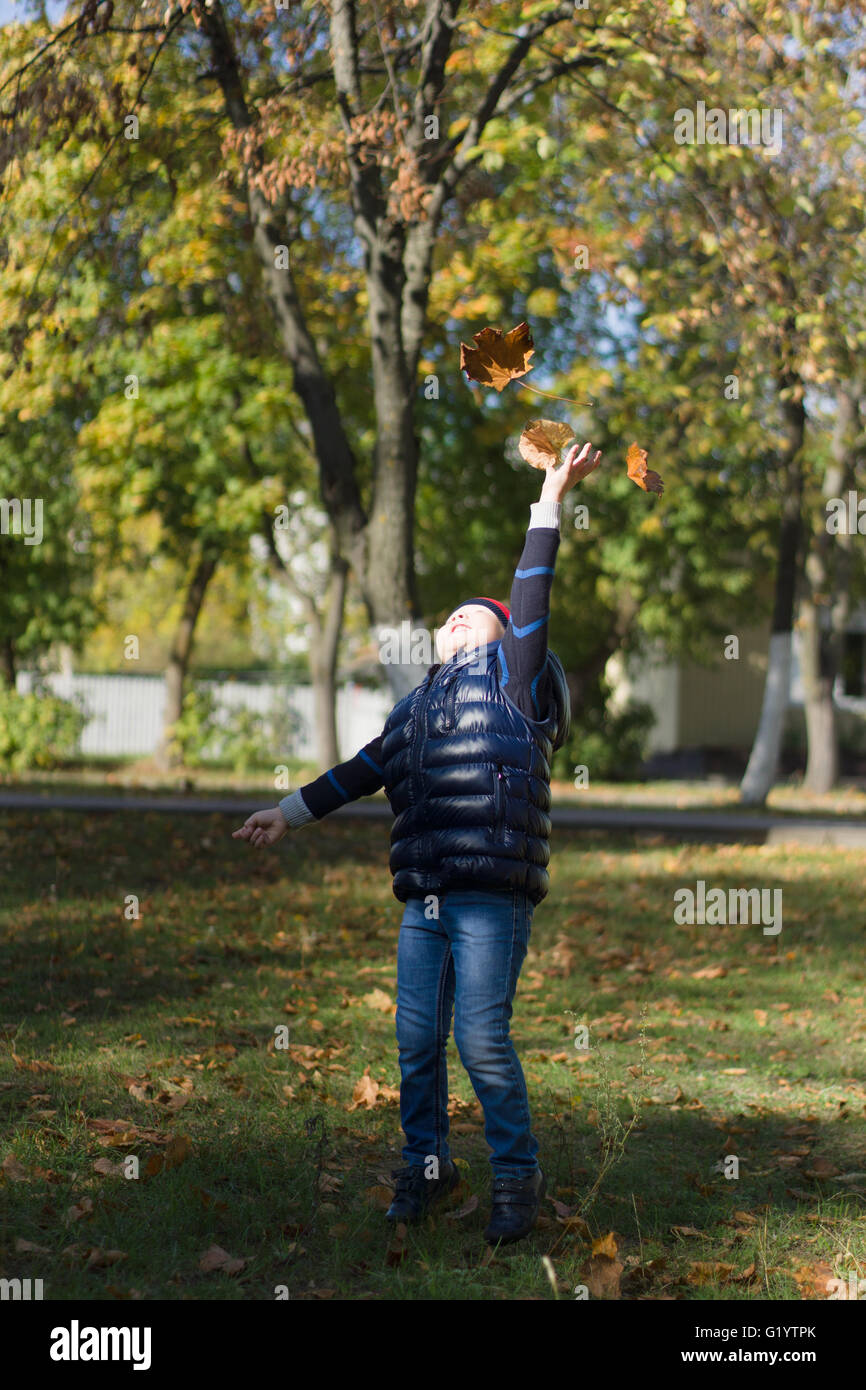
(468, 779)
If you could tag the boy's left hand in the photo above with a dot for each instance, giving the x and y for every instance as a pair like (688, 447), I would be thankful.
(577, 464)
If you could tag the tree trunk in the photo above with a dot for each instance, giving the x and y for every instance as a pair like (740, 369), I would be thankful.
(323, 665)
(764, 760)
(324, 629)
(826, 595)
(201, 573)
(8, 671)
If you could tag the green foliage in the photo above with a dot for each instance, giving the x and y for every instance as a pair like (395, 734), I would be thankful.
(240, 738)
(612, 745)
(38, 730)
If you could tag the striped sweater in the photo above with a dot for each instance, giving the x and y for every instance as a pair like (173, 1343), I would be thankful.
(521, 666)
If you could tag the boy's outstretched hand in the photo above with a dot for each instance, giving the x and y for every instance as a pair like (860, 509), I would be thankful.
(577, 464)
(262, 828)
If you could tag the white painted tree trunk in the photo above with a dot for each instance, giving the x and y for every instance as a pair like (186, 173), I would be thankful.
(764, 761)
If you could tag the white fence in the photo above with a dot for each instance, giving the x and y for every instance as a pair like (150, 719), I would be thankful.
(125, 712)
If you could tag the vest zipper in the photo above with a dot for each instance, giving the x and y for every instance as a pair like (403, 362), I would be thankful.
(499, 802)
(451, 701)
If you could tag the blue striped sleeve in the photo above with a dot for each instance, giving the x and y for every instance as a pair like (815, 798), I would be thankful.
(523, 673)
(359, 776)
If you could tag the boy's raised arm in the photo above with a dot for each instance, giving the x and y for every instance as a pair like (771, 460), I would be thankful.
(522, 659)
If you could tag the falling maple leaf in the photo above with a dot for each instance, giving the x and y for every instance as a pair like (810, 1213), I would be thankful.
(636, 464)
(498, 357)
(543, 441)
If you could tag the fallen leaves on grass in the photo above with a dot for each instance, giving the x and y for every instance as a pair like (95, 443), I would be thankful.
(14, 1170)
(120, 1134)
(97, 1258)
(397, 1252)
(602, 1271)
(379, 1197)
(79, 1210)
(216, 1259)
(813, 1280)
(107, 1168)
(21, 1064)
(379, 1000)
(370, 1093)
(177, 1150)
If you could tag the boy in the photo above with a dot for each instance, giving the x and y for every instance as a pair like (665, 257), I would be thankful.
(464, 760)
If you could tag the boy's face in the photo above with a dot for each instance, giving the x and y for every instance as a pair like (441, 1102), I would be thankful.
(468, 627)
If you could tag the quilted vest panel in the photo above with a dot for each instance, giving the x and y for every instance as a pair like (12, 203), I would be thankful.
(467, 776)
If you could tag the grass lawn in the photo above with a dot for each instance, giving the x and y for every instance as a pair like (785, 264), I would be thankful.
(155, 1038)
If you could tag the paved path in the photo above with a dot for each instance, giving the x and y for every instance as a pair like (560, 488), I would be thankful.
(685, 823)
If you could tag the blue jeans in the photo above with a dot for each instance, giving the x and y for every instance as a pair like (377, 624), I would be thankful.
(468, 959)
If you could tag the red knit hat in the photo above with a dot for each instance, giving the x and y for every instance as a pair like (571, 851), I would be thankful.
(502, 613)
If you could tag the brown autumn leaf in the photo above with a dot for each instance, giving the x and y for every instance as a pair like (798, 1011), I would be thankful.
(397, 1251)
(21, 1064)
(172, 1100)
(542, 442)
(13, 1169)
(178, 1149)
(636, 464)
(215, 1258)
(27, 1247)
(498, 357)
(97, 1258)
(378, 999)
(687, 1231)
(118, 1134)
(107, 1168)
(821, 1168)
(710, 972)
(371, 1093)
(602, 1275)
(814, 1281)
(379, 1196)
(605, 1245)
(78, 1210)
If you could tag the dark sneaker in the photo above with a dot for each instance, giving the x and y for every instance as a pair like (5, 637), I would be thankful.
(414, 1194)
(515, 1207)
